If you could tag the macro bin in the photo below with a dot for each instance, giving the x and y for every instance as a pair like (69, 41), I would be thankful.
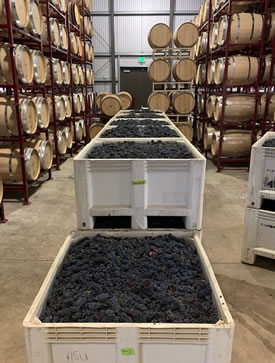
(129, 342)
(139, 188)
(262, 172)
(259, 234)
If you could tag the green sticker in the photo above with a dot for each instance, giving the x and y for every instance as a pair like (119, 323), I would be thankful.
(128, 351)
(139, 182)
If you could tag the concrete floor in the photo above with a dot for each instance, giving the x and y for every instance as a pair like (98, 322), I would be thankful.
(31, 239)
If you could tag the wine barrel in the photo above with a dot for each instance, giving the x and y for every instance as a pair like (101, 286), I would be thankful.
(73, 43)
(83, 126)
(57, 71)
(10, 164)
(77, 103)
(200, 103)
(205, 10)
(159, 101)
(91, 99)
(235, 144)
(271, 107)
(40, 67)
(66, 72)
(216, 4)
(81, 75)
(35, 24)
(64, 39)
(266, 69)
(45, 152)
(160, 36)
(242, 6)
(82, 101)
(63, 5)
(8, 119)
(185, 70)
(208, 137)
(159, 70)
(238, 108)
(183, 102)
(75, 73)
(210, 106)
(245, 28)
(270, 28)
(61, 142)
(19, 12)
(78, 131)
(99, 98)
(211, 72)
(110, 105)
(201, 75)
(90, 76)
(68, 105)
(24, 64)
(242, 70)
(214, 35)
(94, 129)
(79, 47)
(74, 13)
(203, 43)
(199, 130)
(186, 129)
(43, 111)
(126, 100)
(200, 16)
(54, 30)
(1, 190)
(186, 35)
(60, 109)
(193, 52)
(69, 136)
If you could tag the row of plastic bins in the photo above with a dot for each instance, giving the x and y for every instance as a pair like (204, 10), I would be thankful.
(131, 342)
(139, 187)
(260, 213)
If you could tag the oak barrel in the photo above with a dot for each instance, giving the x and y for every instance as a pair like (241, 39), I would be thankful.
(73, 43)
(183, 102)
(186, 35)
(159, 70)
(19, 12)
(210, 106)
(54, 30)
(75, 73)
(40, 66)
(159, 101)
(214, 35)
(236, 143)
(271, 107)
(66, 72)
(43, 111)
(184, 70)
(160, 36)
(186, 129)
(77, 103)
(211, 72)
(208, 137)
(126, 100)
(78, 131)
(69, 136)
(94, 129)
(266, 69)
(99, 98)
(238, 108)
(24, 64)
(64, 38)
(45, 152)
(110, 105)
(68, 105)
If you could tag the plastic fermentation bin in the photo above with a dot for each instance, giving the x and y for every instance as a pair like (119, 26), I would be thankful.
(259, 235)
(262, 172)
(139, 187)
(128, 342)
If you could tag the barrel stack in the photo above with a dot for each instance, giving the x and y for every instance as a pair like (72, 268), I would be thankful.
(47, 81)
(173, 72)
(234, 77)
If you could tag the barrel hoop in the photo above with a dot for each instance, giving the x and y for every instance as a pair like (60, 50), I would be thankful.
(221, 69)
(35, 66)
(42, 149)
(234, 69)
(239, 28)
(253, 26)
(27, 155)
(58, 108)
(10, 161)
(24, 119)
(249, 68)
(6, 119)
(39, 111)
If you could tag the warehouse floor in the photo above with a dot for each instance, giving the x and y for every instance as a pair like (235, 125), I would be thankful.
(33, 236)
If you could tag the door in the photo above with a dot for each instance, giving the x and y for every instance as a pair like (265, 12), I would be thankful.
(136, 81)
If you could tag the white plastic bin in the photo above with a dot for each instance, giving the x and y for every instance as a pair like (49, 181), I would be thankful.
(262, 172)
(259, 235)
(128, 342)
(139, 187)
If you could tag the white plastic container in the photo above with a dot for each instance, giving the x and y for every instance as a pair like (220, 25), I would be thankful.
(262, 172)
(259, 235)
(128, 342)
(139, 187)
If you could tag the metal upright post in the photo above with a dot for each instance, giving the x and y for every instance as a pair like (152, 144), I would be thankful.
(112, 37)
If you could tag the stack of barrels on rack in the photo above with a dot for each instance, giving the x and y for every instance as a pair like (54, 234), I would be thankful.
(110, 105)
(246, 28)
(183, 70)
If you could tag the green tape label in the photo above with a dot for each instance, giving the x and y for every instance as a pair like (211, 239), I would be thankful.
(139, 182)
(127, 351)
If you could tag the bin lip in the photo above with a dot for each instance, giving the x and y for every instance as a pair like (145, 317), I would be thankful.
(32, 318)
(262, 140)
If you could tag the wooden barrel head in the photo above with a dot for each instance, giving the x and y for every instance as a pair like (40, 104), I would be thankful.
(159, 70)
(40, 67)
(159, 101)
(186, 35)
(69, 137)
(61, 142)
(29, 115)
(76, 76)
(110, 105)
(64, 41)
(73, 42)
(208, 137)
(95, 129)
(160, 36)
(78, 131)
(35, 25)
(91, 99)
(183, 102)
(45, 152)
(43, 111)
(20, 13)
(77, 103)
(24, 64)
(68, 105)
(57, 71)
(99, 98)
(66, 73)
(79, 47)
(185, 70)
(186, 129)
(126, 100)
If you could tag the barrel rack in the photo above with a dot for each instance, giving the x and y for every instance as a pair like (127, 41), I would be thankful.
(253, 49)
(16, 87)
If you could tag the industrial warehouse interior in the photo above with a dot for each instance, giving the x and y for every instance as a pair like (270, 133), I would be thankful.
(137, 181)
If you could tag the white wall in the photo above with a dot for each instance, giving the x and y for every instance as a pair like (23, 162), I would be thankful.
(130, 32)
